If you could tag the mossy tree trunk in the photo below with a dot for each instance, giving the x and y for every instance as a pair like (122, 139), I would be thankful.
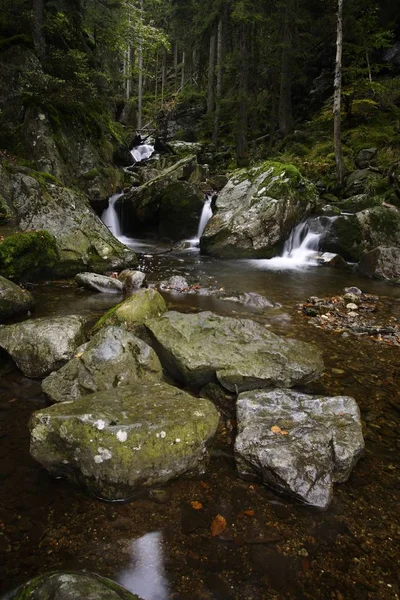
(337, 98)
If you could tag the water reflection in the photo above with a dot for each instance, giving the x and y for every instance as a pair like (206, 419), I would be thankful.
(146, 576)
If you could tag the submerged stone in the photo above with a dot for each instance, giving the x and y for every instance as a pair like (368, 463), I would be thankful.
(114, 357)
(39, 346)
(240, 353)
(297, 444)
(72, 586)
(115, 442)
(13, 300)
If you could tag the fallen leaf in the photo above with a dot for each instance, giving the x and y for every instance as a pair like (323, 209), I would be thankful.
(218, 525)
(78, 355)
(196, 505)
(204, 485)
(249, 513)
(275, 429)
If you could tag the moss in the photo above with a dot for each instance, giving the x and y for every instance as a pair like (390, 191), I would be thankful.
(381, 220)
(25, 254)
(5, 212)
(20, 38)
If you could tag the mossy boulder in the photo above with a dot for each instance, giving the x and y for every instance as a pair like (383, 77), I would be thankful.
(29, 254)
(241, 354)
(359, 202)
(121, 440)
(13, 300)
(71, 585)
(39, 346)
(6, 214)
(256, 211)
(114, 357)
(136, 310)
(343, 236)
(381, 263)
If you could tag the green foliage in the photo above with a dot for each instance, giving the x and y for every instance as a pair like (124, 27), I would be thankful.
(23, 254)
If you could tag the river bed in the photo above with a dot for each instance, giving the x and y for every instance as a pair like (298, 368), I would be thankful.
(161, 546)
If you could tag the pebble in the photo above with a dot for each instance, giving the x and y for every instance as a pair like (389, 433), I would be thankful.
(353, 290)
(351, 306)
(352, 314)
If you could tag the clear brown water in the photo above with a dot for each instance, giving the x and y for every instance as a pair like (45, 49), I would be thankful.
(280, 549)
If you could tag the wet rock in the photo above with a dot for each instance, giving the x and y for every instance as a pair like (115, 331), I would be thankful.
(40, 346)
(99, 283)
(353, 298)
(13, 300)
(132, 279)
(353, 290)
(250, 300)
(135, 310)
(299, 445)
(114, 357)
(365, 157)
(381, 263)
(257, 210)
(175, 283)
(352, 306)
(242, 354)
(72, 586)
(118, 441)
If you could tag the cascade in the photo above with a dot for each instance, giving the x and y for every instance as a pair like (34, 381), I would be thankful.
(206, 215)
(142, 152)
(302, 243)
(110, 216)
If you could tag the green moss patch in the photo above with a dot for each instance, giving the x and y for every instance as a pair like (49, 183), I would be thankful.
(24, 254)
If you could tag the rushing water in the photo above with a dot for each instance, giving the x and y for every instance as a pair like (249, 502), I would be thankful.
(110, 216)
(158, 545)
(142, 152)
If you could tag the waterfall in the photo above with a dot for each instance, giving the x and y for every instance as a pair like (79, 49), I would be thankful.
(110, 216)
(142, 152)
(298, 249)
(206, 215)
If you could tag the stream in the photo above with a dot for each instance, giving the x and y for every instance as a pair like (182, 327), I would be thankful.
(161, 547)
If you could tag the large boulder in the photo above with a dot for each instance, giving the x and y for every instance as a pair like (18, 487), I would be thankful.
(256, 211)
(168, 205)
(71, 586)
(381, 263)
(13, 300)
(352, 235)
(27, 255)
(82, 240)
(39, 346)
(298, 444)
(242, 354)
(118, 441)
(136, 310)
(113, 357)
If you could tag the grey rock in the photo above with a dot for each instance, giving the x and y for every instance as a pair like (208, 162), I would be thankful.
(175, 283)
(242, 354)
(39, 346)
(72, 586)
(132, 279)
(13, 300)
(320, 444)
(365, 157)
(353, 290)
(99, 283)
(351, 297)
(118, 441)
(381, 263)
(114, 357)
(249, 299)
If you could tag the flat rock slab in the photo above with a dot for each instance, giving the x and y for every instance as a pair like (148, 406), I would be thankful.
(100, 283)
(299, 445)
(72, 586)
(242, 354)
(13, 299)
(113, 357)
(40, 346)
(118, 441)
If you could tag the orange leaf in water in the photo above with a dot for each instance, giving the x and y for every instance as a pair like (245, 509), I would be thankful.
(276, 429)
(218, 525)
(196, 505)
(249, 513)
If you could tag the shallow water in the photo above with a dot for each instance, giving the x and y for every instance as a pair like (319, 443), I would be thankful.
(277, 550)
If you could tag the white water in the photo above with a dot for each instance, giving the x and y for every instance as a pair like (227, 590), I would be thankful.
(146, 576)
(206, 215)
(298, 249)
(142, 152)
(110, 216)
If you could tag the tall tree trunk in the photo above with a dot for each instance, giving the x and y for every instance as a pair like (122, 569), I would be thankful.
(140, 77)
(176, 66)
(337, 97)
(183, 72)
(219, 78)
(211, 72)
(38, 22)
(285, 92)
(242, 121)
(164, 75)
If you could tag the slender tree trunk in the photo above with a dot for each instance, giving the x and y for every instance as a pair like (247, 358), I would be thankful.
(285, 92)
(220, 44)
(242, 121)
(183, 72)
(156, 77)
(176, 66)
(211, 72)
(164, 75)
(38, 22)
(140, 77)
(337, 97)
